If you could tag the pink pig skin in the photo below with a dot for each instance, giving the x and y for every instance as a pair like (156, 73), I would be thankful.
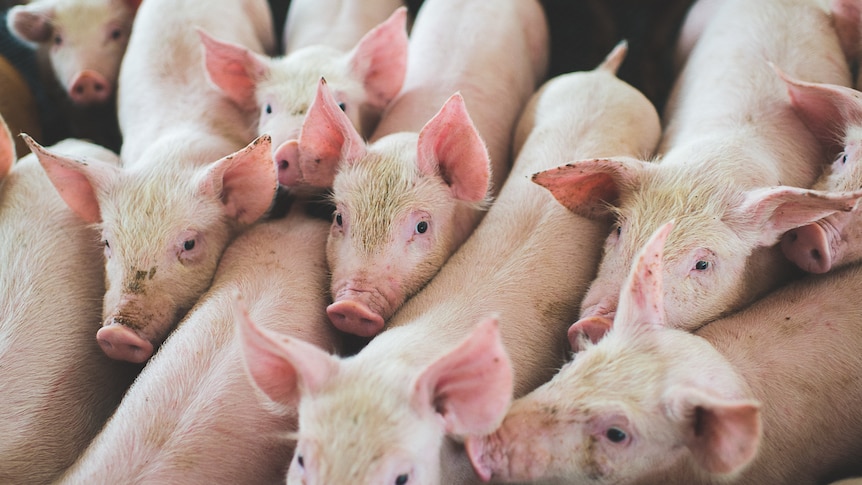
(399, 226)
(85, 40)
(526, 241)
(834, 113)
(335, 23)
(57, 387)
(192, 416)
(190, 180)
(789, 365)
(735, 161)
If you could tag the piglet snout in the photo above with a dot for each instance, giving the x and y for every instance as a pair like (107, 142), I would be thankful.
(808, 247)
(89, 87)
(122, 343)
(286, 157)
(355, 317)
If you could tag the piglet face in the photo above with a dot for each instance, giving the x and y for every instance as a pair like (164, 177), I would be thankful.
(86, 42)
(388, 238)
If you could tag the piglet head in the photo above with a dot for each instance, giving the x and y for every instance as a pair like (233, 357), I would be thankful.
(834, 114)
(609, 416)
(394, 225)
(163, 231)
(372, 422)
(87, 41)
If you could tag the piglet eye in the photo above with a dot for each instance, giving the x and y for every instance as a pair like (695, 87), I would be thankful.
(107, 245)
(844, 159)
(189, 245)
(421, 227)
(268, 109)
(300, 461)
(343, 106)
(338, 219)
(402, 479)
(616, 435)
(116, 34)
(701, 265)
(619, 230)
(58, 40)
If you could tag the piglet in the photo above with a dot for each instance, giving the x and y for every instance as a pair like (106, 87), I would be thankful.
(381, 416)
(364, 77)
(734, 166)
(86, 40)
(192, 415)
(408, 200)
(335, 23)
(830, 110)
(767, 395)
(58, 388)
(190, 179)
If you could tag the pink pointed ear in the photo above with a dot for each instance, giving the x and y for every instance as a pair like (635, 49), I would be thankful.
(826, 109)
(283, 368)
(471, 386)
(642, 298)
(32, 23)
(615, 58)
(7, 149)
(772, 211)
(234, 69)
(76, 182)
(589, 187)
(450, 145)
(847, 19)
(380, 59)
(245, 181)
(327, 138)
(723, 435)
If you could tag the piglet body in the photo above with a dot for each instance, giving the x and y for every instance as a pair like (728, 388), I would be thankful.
(192, 416)
(58, 387)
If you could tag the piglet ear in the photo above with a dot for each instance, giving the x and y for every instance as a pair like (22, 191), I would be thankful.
(234, 69)
(826, 109)
(7, 149)
(471, 386)
(32, 23)
(246, 181)
(327, 138)
(773, 211)
(76, 182)
(283, 368)
(450, 145)
(847, 19)
(612, 62)
(723, 435)
(642, 297)
(380, 59)
(589, 187)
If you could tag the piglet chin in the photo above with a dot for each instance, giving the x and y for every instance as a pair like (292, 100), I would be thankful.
(122, 343)
(355, 317)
